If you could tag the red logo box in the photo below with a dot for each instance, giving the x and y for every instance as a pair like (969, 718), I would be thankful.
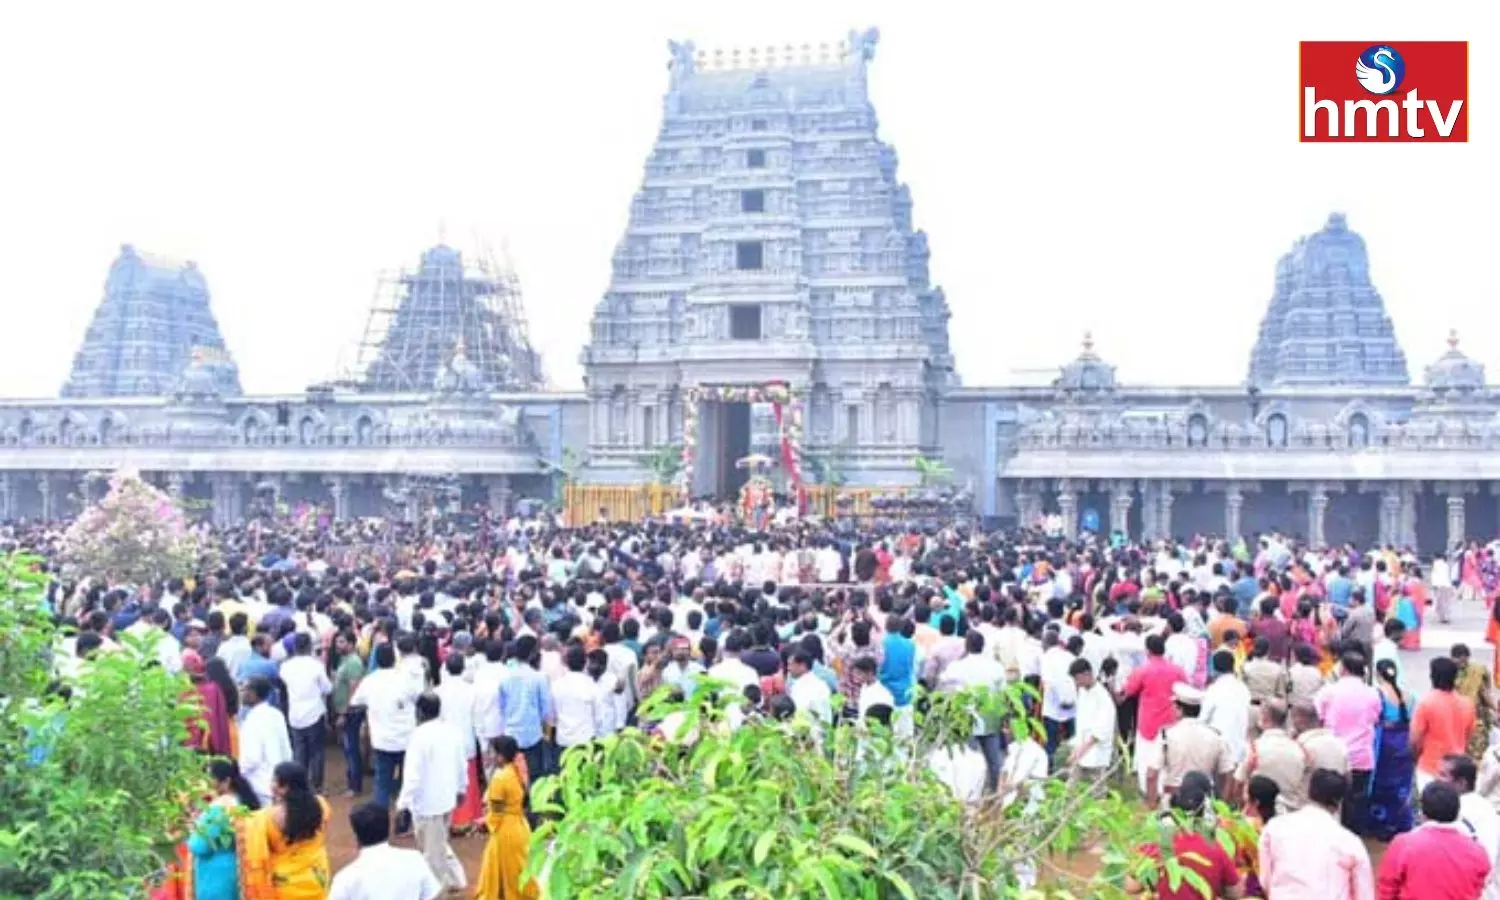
(1412, 91)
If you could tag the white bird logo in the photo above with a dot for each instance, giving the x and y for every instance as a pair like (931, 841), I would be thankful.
(1379, 78)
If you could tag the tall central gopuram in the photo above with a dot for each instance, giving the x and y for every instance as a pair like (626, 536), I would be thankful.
(770, 243)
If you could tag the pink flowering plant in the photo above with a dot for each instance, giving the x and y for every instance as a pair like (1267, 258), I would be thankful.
(135, 534)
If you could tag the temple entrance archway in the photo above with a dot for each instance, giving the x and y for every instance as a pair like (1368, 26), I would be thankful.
(725, 423)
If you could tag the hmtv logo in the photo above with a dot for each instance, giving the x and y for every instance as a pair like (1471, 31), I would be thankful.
(1398, 91)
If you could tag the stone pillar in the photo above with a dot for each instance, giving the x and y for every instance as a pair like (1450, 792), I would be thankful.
(1317, 513)
(1164, 509)
(7, 496)
(1067, 507)
(635, 418)
(1407, 533)
(1119, 507)
(338, 491)
(499, 495)
(44, 487)
(1456, 516)
(1150, 510)
(1234, 506)
(1027, 500)
(1390, 513)
(176, 483)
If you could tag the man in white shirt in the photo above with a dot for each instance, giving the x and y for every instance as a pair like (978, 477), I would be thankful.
(809, 692)
(380, 871)
(871, 692)
(1226, 706)
(575, 699)
(608, 719)
(1059, 698)
(1477, 814)
(1094, 740)
(731, 668)
(389, 701)
(624, 666)
(978, 669)
(488, 724)
(264, 744)
(307, 689)
(435, 775)
(457, 697)
(236, 648)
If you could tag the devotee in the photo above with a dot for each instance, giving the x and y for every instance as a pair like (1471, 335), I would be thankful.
(285, 843)
(380, 871)
(576, 702)
(1390, 806)
(809, 692)
(347, 670)
(1094, 741)
(1442, 723)
(978, 669)
(389, 699)
(211, 731)
(212, 840)
(526, 703)
(1477, 814)
(1307, 853)
(1475, 685)
(1351, 709)
(264, 744)
(1226, 707)
(1195, 851)
(1154, 683)
(507, 850)
(1439, 859)
(307, 689)
(434, 780)
(456, 704)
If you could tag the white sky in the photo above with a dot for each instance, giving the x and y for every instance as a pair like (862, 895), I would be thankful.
(1127, 167)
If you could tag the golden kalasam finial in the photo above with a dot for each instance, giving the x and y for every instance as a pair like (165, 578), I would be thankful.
(1453, 339)
(1088, 342)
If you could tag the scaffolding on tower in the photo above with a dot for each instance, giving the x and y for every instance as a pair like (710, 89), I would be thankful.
(420, 315)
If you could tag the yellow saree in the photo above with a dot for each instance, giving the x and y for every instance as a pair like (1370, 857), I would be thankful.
(506, 852)
(272, 869)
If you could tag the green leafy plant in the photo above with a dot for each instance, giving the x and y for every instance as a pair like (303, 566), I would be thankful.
(794, 810)
(664, 463)
(931, 472)
(93, 787)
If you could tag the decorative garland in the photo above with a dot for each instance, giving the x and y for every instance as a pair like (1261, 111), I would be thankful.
(786, 406)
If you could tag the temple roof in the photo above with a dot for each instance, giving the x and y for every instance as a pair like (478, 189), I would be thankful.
(1087, 373)
(1454, 372)
(1326, 323)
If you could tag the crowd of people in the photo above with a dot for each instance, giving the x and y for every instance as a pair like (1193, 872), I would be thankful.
(1265, 674)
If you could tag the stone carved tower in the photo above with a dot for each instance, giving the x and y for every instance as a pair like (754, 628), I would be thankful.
(1327, 325)
(154, 315)
(771, 240)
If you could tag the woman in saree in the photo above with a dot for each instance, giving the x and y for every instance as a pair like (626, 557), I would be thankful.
(1390, 809)
(1471, 574)
(284, 849)
(217, 671)
(212, 841)
(1475, 684)
(505, 854)
(1409, 609)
